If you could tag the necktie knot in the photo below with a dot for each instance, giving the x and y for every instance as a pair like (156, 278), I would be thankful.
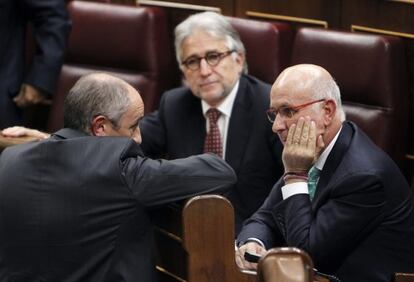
(213, 115)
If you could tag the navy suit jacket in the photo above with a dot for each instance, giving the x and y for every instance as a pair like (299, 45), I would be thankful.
(75, 207)
(178, 130)
(51, 26)
(360, 225)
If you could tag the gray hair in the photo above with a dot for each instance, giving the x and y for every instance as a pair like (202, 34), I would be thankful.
(328, 89)
(212, 23)
(92, 95)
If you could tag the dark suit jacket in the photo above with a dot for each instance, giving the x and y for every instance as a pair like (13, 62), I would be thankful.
(74, 207)
(360, 225)
(50, 28)
(178, 130)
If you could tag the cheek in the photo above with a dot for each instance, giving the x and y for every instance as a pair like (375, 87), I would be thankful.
(191, 80)
(230, 71)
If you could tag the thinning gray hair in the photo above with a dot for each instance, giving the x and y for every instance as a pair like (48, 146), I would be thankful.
(328, 89)
(212, 23)
(92, 95)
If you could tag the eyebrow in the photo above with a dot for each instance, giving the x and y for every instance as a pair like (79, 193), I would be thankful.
(205, 53)
(285, 105)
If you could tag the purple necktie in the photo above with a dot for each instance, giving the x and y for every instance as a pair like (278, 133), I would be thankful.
(212, 142)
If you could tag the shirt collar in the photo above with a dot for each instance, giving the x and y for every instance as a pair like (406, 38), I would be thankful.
(320, 162)
(227, 105)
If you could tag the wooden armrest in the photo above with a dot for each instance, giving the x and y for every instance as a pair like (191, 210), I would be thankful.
(285, 264)
(404, 277)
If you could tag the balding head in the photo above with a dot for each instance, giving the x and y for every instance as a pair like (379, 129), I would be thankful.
(307, 84)
(313, 80)
(99, 94)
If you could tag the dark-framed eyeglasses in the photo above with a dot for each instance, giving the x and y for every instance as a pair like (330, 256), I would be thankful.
(212, 58)
(288, 112)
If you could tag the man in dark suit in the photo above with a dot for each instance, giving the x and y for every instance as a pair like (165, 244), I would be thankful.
(212, 60)
(74, 207)
(359, 222)
(18, 88)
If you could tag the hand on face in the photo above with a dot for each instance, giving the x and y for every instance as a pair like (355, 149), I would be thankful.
(302, 146)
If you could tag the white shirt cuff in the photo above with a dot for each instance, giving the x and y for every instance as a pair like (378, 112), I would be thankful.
(255, 240)
(294, 188)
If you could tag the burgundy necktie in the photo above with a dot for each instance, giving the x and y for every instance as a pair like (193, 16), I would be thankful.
(212, 142)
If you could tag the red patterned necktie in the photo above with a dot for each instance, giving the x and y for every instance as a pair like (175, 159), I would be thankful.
(212, 142)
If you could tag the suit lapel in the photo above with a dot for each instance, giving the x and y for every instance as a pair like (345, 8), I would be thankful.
(195, 127)
(334, 159)
(240, 125)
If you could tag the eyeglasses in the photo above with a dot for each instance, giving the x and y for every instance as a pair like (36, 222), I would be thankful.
(212, 58)
(288, 112)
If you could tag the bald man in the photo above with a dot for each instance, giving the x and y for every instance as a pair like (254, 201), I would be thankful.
(73, 207)
(341, 199)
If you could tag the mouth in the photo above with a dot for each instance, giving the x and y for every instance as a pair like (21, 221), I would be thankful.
(206, 84)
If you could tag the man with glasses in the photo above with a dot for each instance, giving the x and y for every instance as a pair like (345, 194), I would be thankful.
(341, 199)
(221, 110)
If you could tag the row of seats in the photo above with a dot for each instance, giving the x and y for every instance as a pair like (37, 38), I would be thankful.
(135, 43)
(129, 42)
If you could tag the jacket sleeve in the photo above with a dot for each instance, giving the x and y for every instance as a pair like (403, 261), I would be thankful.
(51, 26)
(262, 225)
(355, 207)
(157, 182)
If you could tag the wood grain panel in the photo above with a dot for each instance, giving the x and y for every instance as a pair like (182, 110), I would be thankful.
(227, 7)
(323, 10)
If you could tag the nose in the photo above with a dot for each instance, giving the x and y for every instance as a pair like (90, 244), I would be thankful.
(279, 124)
(205, 68)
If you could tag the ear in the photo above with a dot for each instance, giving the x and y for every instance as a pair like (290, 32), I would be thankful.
(329, 110)
(100, 126)
(240, 59)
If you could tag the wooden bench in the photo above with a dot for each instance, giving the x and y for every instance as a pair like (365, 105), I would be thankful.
(196, 242)
(286, 264)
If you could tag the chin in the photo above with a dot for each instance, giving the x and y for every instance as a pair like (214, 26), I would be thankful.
(212, 97)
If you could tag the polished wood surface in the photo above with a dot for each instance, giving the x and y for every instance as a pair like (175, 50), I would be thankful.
(208, 224)
(287, 264)
(404, 277)
(195, 243)
(10, 141)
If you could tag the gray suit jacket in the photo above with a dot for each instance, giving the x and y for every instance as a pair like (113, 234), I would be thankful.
(75, 207)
